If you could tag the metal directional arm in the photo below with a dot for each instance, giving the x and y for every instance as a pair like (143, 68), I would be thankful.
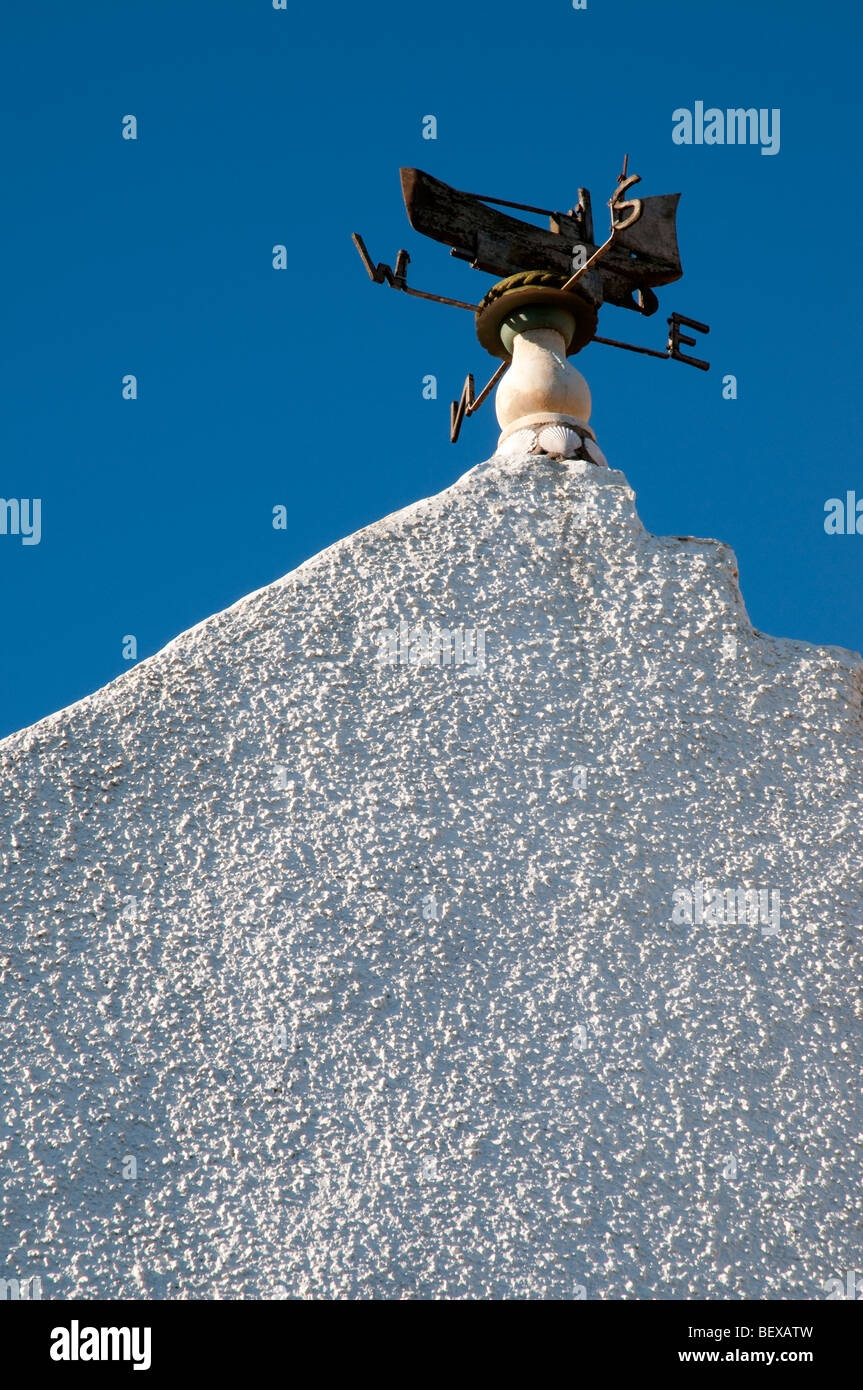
(397, 279)
(675, 338)
(468, 403)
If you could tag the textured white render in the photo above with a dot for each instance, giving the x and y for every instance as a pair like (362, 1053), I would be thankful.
(538, 1094)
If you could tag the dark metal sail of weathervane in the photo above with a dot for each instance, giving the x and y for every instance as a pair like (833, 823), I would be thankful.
(565, 262)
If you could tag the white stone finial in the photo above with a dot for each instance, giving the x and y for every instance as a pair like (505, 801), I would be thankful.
(543, 401)
(541, 380)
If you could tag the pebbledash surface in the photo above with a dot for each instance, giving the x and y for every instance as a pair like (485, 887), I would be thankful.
(334, 976)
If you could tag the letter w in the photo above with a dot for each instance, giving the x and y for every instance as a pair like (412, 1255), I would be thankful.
(381, 271)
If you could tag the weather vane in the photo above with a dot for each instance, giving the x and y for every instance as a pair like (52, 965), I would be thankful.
(556, 279)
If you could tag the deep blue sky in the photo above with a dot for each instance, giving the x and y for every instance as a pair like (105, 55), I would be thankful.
(259, 387)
